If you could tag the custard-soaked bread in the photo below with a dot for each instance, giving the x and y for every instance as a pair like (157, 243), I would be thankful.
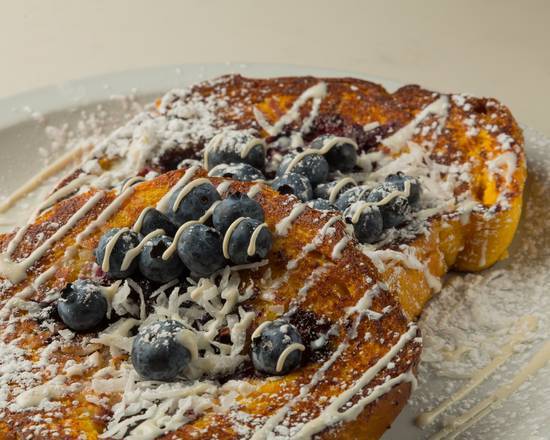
(350, 302)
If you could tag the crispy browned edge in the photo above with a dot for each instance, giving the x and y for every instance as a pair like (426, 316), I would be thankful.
(273, 97)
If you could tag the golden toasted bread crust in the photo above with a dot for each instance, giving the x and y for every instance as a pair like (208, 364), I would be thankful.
(340, 283)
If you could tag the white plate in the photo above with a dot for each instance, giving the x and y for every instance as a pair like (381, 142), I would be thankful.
(524, 415)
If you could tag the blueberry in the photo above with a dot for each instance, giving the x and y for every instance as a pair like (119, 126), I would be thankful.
(244, 246)
(321, 205)
(235, 147)
(153, 219)
(395, 211)
(399, 180)
(125, 240)
(268, 346)
(352, 195)
(200, 249)
(312, 166)
(368, 227)
(342, 155)
(193, 205)
(151, 264)
(293, 183)
(82, 306)
(326, 190)
(235, 206)
(237, 171)
(156, 352)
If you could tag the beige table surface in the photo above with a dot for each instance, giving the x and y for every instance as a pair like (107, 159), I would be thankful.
(490, 48)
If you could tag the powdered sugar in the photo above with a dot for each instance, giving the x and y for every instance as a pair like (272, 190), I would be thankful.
(466, 326)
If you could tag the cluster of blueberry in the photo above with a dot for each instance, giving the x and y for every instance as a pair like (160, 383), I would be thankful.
(179, 243)
(158, 352)
(237, 236)
(314, 176)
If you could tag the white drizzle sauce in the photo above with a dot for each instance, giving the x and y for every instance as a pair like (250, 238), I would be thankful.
(360, 206)
(317, 91)
(298, 158)
(105, 265)
(187, 189)
(332, 414)
(254, 190)
(251, 250)
(286, 353)
(17, 271)
(457, 425)
(328, 144)
(284, 225)
(523, 328)
(131, 182)
(223, 187)
(335, 190)
(139, 222)
(67, 159)
(228, 234)
(162, 204)
(104, 217)
(65, 191)
(339, 247)
(134, 252)
(400, 138)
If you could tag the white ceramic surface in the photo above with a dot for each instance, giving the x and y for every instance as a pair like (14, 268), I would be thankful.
(21, 136)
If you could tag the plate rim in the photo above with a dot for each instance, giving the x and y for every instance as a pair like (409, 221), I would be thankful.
(17, 107)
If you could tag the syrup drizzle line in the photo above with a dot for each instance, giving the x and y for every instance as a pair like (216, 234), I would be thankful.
(162, 204)
(327, 146)
(308, 284)
(524, 327)
(393, 195)
(483, 408)
(104, 217)
(184, 190)
(131, 254)
(318, 91)
(286, 353)
(66, 190)
(61, 163)
(251, 250)
(310, 247)
(275, 419)
(243, 150)
(332, 413)
(340, 246)
(400, 138)
(285, 224)
(227, 235)
(187, 189)
(17, 271)
(335, 190)
(131, 182)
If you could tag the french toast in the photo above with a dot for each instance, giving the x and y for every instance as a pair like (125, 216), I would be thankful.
(359, 299)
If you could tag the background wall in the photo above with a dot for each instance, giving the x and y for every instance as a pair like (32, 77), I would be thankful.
(496, 48)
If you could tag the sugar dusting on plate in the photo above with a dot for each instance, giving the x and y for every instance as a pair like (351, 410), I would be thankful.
(476, 316)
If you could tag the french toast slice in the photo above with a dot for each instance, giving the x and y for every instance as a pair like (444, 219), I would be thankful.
(371, 292)
(343, 291)
(474, 144)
